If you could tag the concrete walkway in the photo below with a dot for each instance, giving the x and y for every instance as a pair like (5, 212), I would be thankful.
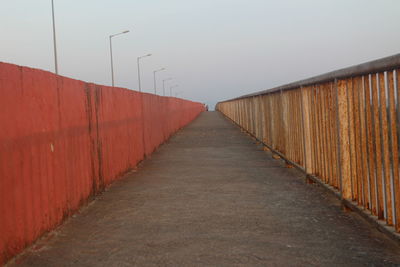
(211, 197)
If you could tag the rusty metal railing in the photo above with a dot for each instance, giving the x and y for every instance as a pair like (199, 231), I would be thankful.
(342, 127)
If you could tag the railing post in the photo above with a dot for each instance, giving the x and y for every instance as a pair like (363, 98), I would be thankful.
(343, 139)
(305, 114)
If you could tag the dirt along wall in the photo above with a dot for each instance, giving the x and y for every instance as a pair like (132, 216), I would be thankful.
(64, 140)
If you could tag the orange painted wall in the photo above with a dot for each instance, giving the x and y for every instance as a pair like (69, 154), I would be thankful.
(63, 140)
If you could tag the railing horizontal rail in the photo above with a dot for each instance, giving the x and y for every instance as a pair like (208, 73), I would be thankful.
(379, 65)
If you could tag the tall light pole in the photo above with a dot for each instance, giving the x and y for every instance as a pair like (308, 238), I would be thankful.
(111, 55)
(54, 37)
(163, 84)
(170, 89)
(154, 76)
(138, 69)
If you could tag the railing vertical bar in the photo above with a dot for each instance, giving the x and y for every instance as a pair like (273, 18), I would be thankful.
(303, 130)
(374, 150)
(272, 121)
(293, 125)
(332, 104)
(281, 123)
(357, 140)
(301, 133)
(322, 131)
(318, 124)
(330, 135)
(286, 123)
(321, 92)
(396, 80)
(326, 135)
(350, 135)
(389, 96)
(259, 121)
(290, 125)
(380, 102)
(256, 118)
(262, 118)
(313, 130)
(364, 145)
(299, 126)
(378, 148)
(315, 104)
(296, 126)
(339, 152)
(328, 131)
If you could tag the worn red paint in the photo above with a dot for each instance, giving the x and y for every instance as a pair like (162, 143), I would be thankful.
(63, 140)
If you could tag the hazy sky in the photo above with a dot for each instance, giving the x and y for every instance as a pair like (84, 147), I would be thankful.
(215, 49)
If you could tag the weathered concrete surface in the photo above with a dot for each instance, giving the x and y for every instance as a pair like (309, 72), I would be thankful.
(212, 197)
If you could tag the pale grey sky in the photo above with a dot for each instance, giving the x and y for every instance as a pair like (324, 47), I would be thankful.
(215, 49)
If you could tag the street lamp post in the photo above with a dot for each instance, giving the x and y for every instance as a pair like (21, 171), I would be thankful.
(154, 76)
(54, 37)
(170, 89)
(163, 84)
(138, 69)
(111, 55)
